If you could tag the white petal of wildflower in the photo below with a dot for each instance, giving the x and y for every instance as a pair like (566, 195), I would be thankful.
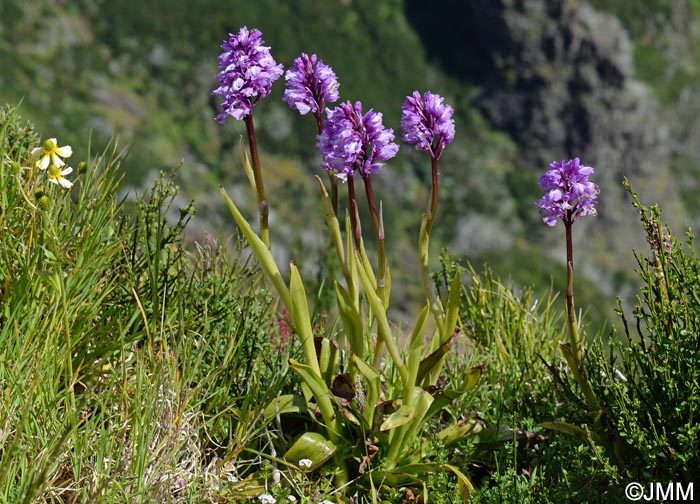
(36, 151)
(305, 463)
(67, 171)
(56, 160)
(65, 183)
(65, 151)
(43, 163)
(266, 499)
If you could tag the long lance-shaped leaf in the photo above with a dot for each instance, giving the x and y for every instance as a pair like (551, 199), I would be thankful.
(447, 396)
(400, 444)
(374, 385)
(383, 324)
(397, 440)
(262, 253)
(364, 262)
(452, 311)
(245, 161)
(302, 319)
(417, 336)
(572, 430)
(433, 360)
(410, 475)
(461, 430)
(423, 249)
(322, 395)
(334, 228)
(350, 319)
(327, 360)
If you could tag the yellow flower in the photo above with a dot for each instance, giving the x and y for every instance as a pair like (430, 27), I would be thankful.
(56, 175)
(50, 154)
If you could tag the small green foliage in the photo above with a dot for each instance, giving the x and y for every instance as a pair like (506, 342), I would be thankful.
(651, 382)
(18, 138)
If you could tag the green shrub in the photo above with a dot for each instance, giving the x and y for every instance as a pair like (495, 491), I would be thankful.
(651, 386)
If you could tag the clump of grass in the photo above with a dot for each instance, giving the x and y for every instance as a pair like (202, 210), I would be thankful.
(130, 364)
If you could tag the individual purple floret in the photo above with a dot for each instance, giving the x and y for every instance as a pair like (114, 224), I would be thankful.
(353, 142)
(427, 123)
(568, 194)
(247, 73)
(310, 85)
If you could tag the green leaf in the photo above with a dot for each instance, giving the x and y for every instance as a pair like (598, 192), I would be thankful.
(249, 487)
(311, 446)
(374, 385)
(302, 319)
(350, 319)
(262, 253)
(461, 430)
(410, 475)
(472, 379)
(245, 161)
(284, 404)
(452, 311)
(321, 393)
(432, 360)
(382, 323)
(567, 428)
(419, 328)
(398, 418)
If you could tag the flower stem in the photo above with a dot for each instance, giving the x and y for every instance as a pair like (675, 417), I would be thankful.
(331, 173)
(574, 353)
(379, 230)
(570, 310)
(424, 246)
(354, 215)
(434, 194)
(259, 186)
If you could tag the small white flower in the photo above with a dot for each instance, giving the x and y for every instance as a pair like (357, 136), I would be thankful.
(56, 175)
(291, 498)
(50, 154)
(266, 499)
(305, 463)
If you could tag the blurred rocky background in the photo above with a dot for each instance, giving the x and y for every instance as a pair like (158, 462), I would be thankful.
(615, 82)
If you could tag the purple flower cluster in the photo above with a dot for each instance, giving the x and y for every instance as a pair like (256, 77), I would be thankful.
(568, 194)
(351, 141)
(247, 73)
(427, 123)
(310, 85)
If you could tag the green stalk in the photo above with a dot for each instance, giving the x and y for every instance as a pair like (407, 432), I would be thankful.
(354, 214)
(434, 194)
(379, 231)
(331, 173)
(424, 247)
(259, 186)
(574, 352)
